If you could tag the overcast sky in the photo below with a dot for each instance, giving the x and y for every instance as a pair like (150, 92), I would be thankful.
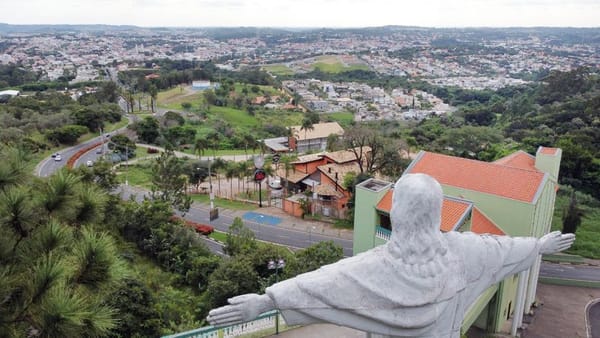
(305, 13)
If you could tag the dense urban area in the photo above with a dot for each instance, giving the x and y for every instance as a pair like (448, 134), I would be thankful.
(93, 117)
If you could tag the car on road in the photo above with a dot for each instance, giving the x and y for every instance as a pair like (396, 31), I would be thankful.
(89, 163)
(57, 158)
(55, 154)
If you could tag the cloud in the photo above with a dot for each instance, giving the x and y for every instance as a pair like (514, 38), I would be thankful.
(306, 13)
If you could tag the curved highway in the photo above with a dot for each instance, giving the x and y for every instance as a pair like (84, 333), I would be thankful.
(48, 166)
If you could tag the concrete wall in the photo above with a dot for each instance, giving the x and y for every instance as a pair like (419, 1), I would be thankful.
(366, 218)
(292, 208)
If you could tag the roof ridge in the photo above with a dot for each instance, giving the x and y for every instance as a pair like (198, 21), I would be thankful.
(489, 163)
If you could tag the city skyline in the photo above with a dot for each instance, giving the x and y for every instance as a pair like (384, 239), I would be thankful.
(308, 13)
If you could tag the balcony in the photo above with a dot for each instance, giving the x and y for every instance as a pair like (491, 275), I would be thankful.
(383, 233)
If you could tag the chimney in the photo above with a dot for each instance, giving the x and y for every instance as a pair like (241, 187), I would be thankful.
(547, 160)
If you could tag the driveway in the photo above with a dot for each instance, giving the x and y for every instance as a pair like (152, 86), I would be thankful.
(562, 312)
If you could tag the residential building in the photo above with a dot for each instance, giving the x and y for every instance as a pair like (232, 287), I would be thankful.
(315, 138)
(512, 196)
(323, 175)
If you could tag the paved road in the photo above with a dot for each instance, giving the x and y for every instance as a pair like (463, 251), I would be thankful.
(568, 271)
(48, 166)
(593, 319)
(293, 238)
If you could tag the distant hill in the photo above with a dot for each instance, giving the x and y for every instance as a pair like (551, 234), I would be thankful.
(8, 28)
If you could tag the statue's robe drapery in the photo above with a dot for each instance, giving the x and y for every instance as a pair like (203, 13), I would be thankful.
(376, 292)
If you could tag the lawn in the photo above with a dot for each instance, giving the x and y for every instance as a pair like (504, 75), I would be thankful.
(234, 116)
(345, 119)
(222, 152)
(337, 67)
(219, 236)
(279, 69)
(136, 174)
(332, 64)
(174, 97)
(224, 203)
(588, 233)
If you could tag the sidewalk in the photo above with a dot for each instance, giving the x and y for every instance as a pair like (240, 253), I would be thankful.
(316, 227)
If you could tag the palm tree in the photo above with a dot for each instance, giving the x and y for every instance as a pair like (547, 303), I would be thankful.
(153, 91)
(230, 173)
(200, 146)
(287, 165)
(218, 165)
(243, 168)
(249, 141)
(306, 125)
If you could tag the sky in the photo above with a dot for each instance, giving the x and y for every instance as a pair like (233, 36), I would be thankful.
(305, 13)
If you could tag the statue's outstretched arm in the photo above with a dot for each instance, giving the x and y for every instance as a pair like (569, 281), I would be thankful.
(556, 242)
(240, 309)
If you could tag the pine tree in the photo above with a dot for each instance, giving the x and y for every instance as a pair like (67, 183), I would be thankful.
(56, 270)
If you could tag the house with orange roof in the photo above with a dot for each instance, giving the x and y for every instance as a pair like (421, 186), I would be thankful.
(322, 174)
(512, 196)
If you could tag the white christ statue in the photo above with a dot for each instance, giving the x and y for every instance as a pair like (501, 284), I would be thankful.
(419, 284)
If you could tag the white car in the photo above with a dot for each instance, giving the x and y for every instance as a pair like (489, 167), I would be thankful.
(57, 158)
(275, 183)
(89, 163)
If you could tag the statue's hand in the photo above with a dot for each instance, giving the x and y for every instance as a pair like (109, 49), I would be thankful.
(240, 309)
(556, 242)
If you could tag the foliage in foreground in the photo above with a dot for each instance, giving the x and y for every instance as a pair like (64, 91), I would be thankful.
(56, 270)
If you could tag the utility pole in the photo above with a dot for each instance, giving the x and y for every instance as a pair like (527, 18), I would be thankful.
(126, 163)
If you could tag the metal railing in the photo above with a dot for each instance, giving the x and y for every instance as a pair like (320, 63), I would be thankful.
(263, 322)
(383, 233)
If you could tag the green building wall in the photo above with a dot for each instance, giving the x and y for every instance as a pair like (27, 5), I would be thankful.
(516, 222)
(365, 215)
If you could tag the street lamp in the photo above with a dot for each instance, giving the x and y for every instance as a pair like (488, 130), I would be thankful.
(276, 265)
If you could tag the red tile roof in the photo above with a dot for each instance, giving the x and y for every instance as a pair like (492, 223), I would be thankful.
(548, 151)
(519, 159)
(386, 202)
(489, 178)
(480, 224)
(452, 210)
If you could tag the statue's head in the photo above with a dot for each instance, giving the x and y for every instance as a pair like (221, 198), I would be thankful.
(416, 206)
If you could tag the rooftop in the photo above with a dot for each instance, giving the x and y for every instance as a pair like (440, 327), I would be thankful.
(480, 224)
(319, 130)
(331, 169)
(518, 159)
(374, 185)
(490, 178)
(347, 155)
(548, 151)
(454, 211)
